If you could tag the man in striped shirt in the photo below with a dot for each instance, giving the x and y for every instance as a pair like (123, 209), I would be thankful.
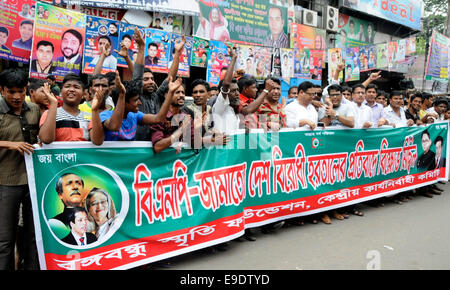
(66, 123)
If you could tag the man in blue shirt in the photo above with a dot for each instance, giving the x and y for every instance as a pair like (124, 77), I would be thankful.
(26, 35)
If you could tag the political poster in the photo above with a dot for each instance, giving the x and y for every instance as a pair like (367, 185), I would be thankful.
(276, 63)
(126, 38)
(200, 49)
(58, 42)
(304, 36)
(16, 29)
(411, 45)
(246, 22)
(157, 49)
(316, 62)
(301, 63)
(218, 61)
(335, 57)
(353, 32)
(352, 64)
(100, 33)
(287, 63)
(382, 55)
(185, 56)
(262, 62)
(246, 56)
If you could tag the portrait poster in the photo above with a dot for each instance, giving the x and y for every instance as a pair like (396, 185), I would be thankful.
(316, 61)
(245, 22)
(246, 59)
(304, 36)
(276, 63)
(392, 53)
(99, 32)
(185, 57)
(334, 59)
(262, 61)
(382, 55)
(126, 38)
(411, 45)
(352, 64)
(157, 49)
(162, 20)
(58, 42)
(353, 32)
(200, 49)
(364, 54)
(16, 29)
(401, 51)
(287, 63)
(301, 63)
(217, 62)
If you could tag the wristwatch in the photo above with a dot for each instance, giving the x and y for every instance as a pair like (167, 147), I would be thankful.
(336, 116)
(266, 91)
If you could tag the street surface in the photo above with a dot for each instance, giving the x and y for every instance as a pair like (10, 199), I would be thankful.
(414, 235)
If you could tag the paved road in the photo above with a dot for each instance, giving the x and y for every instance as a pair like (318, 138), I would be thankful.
(414, 235)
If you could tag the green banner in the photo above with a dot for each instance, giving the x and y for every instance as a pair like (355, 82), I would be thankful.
(243, 22)
(134, 208)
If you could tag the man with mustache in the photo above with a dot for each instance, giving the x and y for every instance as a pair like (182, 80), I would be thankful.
(70, 189)
(71, 47)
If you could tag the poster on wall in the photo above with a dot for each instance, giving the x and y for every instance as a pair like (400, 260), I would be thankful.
(334, 59)
(126, 38)
(382, 55)
(57, 43)
(199, 52)
(16, 29)
(352, 64)
(244, 22)
(217, 62)
(353, 31)
(157, 49)
(304, 36)
(287, 63)
(316, 61)
(185, 56)
(100, 33)
(301, 63)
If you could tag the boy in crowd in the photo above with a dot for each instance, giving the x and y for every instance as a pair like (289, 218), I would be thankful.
(18, 131)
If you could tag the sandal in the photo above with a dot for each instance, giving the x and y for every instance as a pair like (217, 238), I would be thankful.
(337, 215)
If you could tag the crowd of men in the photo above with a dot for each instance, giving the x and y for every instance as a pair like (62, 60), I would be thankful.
(109, 109)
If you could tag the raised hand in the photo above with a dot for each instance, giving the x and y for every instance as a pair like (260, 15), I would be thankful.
(179, 44)
(138, 37)
(174, 85)
(51, 98)
(106, 49)
(120, 87)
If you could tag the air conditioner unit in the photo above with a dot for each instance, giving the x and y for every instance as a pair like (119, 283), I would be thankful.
(309, 17)
(331, 19)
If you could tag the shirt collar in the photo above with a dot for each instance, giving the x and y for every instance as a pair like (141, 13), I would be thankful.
(4, 107)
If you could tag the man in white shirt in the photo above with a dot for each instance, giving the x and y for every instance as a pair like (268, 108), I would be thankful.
(363, 113)
(340, 114)
(438, 110)
(394, 113)
(225, 110)
(300, 112)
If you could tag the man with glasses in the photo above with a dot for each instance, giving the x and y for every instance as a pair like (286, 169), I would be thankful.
(301, 112)
(339, 114)
(363, 114)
